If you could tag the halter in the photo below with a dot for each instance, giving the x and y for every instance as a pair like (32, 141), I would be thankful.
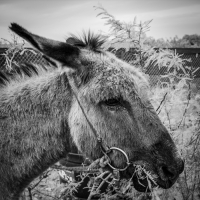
(104, 148)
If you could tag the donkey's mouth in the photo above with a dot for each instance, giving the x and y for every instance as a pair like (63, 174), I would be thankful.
(145, 178)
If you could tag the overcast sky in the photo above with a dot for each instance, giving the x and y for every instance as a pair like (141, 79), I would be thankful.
(56, 18)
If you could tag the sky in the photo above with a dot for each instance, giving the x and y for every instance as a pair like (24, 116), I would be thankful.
(55, 19)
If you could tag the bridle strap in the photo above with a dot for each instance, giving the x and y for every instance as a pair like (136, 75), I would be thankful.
(74, 90)
(104, 147)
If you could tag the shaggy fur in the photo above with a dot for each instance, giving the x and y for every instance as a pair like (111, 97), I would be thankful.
(40, 120)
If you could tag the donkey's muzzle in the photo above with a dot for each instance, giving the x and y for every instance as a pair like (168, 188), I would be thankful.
(164, 175)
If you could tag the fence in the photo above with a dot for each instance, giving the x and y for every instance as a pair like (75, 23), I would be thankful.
(153, 71)
(27, 57)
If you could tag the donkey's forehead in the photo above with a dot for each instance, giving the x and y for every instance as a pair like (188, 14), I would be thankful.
(112, 77)
(108, 64)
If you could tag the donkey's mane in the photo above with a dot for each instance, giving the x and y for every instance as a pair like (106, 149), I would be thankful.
(88, 40)
(22, 71)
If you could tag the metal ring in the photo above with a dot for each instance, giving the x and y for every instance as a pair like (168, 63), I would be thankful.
(125, 155)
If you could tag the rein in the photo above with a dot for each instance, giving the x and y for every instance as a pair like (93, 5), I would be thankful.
(104, 148)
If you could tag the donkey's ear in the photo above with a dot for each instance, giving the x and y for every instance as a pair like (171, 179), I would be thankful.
(60, 51)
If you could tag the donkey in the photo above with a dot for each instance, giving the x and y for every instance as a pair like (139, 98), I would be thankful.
(41, 119)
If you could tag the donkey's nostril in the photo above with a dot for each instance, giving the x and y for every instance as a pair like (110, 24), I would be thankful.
(166, 173)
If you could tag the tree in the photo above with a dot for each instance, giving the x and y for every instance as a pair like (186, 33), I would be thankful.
(192, 39)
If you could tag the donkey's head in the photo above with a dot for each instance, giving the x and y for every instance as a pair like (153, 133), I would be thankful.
(114, 96)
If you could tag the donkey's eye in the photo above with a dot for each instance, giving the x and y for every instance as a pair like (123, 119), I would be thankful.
(112, 102)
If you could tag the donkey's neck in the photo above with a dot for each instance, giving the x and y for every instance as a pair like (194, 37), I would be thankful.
(34, 130)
